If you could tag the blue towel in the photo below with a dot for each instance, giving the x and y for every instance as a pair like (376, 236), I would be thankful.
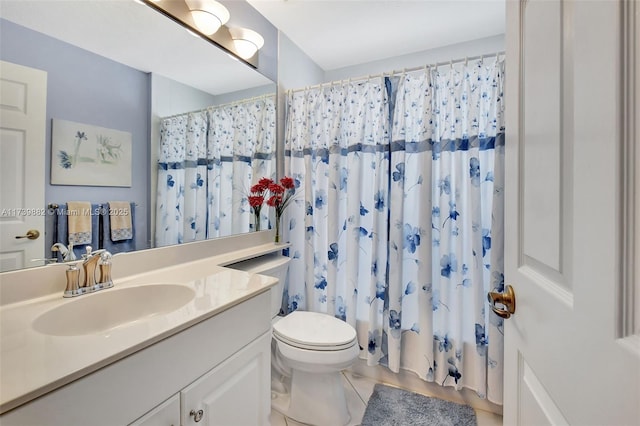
(122, 245)
(62, 234)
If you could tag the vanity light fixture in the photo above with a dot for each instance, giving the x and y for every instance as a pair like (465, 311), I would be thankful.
(208, 19)
(246, 42)
(208, 15)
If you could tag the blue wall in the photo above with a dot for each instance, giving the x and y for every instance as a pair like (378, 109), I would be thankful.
(88, 88)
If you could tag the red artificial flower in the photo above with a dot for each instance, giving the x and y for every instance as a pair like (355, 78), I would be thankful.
(258, 188)
(287, 182)
(277, 195)
(265, 182)
(275, 200)
(274, 188)
(256, 200)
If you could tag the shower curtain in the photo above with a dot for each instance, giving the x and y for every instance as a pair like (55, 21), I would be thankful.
(208, 162)
(408, 251)
(337, 151)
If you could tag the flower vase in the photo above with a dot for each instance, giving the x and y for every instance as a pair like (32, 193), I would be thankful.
(277, 238)
(256, 221)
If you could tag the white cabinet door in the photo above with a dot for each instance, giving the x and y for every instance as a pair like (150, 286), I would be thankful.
(235, 393)
(565, 360)
(165, 414)
(23, 99)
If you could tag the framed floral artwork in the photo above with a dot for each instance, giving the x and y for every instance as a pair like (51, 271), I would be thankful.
(88, 155)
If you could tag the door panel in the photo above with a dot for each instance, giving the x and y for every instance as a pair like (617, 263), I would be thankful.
(541, 149)
(23, 94)
(563, 361)
(534, 399)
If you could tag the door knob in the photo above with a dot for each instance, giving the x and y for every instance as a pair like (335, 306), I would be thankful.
(32, 234)
(507, 299)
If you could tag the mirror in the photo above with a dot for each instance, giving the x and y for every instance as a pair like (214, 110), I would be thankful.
(121, 65)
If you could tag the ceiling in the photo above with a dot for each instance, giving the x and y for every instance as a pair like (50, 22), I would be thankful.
(334, 33)
(341, 33)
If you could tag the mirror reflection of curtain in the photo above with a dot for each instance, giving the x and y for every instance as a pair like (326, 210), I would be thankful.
(208, 161)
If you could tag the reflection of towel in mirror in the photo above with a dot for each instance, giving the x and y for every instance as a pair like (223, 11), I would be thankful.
(120, 218)
(60, 230)
(79, 222)
(122, 245)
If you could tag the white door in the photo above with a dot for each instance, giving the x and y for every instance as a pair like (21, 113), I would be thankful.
(23, 96)
(566, 359)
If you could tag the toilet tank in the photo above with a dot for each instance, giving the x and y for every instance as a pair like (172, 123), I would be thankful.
(273, 265)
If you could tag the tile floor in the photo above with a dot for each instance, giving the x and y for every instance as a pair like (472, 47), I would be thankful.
(358, 390)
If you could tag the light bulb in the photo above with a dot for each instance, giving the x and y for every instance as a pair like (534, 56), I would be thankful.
(207, 23)
(246, 42)
(245, 48)
(208, 15)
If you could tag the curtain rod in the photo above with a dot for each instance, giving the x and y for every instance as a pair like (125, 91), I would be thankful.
(402, 71)
(239, 101)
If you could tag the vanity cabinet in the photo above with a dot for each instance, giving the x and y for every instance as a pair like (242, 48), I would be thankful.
(233, 393)
(220, 365)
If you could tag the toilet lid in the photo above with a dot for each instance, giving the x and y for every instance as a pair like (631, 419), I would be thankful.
(313, 330)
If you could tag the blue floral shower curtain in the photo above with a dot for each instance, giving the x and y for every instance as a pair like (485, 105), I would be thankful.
(208, 161)
(397, 226)
(446, 233)
(337, 151)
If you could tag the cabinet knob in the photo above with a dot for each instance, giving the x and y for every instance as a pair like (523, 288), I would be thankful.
(197, 415)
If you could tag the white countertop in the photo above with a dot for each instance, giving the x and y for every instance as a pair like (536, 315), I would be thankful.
(32, 363)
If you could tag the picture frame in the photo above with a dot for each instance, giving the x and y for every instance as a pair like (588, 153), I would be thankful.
(87, 155)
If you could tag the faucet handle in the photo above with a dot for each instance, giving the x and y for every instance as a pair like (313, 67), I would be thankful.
(105, 255)
(87, 253)
(105, 270)
(73, 282)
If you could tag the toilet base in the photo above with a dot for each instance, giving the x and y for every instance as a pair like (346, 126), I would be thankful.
(315, 399)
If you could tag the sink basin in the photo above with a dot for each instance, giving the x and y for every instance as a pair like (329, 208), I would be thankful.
(108, 309)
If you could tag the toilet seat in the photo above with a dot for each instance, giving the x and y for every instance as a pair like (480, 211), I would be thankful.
(314, 331)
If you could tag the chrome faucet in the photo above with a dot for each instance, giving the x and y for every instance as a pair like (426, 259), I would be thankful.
(90, 262)
(66, 252)
(89, 266)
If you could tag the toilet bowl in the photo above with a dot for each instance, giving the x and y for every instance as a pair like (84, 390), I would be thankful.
(316, 347)
(309, 349)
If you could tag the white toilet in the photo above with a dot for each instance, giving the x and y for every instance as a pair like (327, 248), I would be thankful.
(309, 351)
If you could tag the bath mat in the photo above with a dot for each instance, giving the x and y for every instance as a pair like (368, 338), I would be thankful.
(395, 407)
